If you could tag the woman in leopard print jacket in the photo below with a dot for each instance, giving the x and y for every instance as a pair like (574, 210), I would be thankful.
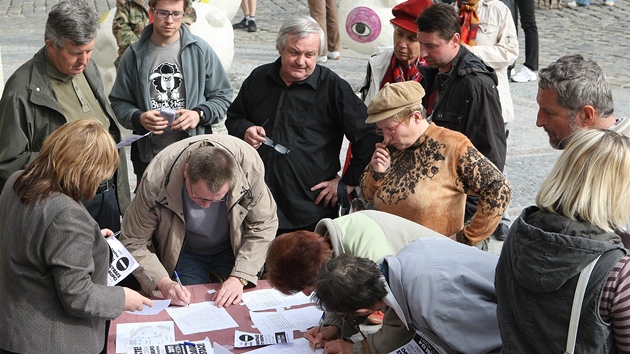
(428, 175)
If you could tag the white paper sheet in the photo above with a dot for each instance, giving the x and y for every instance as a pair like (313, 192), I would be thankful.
(182, 347)
(268, 299)
(247, 339)
(145, 333)
(299, 346)
(201, 317)
(130, 139)
(122, 263)
(219, 349)
(300, 319)
(158, 306)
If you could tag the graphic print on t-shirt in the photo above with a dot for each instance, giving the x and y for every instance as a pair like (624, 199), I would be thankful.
(167, 83)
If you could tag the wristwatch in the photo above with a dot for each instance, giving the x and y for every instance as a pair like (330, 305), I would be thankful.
(243, 281)
(200, 112)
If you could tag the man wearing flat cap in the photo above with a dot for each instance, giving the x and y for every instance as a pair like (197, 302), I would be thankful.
(431, 171)
(402, 61)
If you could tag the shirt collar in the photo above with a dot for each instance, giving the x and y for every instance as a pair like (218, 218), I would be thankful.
(312, 80)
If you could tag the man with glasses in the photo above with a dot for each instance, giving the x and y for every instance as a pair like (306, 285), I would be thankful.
(296, 113)
(461, 90)
(203, 209)
(169, 83)
(442, 290)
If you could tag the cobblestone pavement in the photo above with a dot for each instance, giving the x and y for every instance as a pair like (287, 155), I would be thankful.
(599, 32)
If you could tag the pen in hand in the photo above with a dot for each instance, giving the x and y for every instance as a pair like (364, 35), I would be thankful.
(180, 283)
(319, 330)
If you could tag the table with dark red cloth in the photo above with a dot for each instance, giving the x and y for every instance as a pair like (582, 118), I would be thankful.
(199, 293)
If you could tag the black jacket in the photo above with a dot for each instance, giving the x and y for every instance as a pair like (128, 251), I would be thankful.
(468, 102)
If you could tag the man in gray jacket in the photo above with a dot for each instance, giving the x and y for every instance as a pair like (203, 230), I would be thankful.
(170, 83)
(58, 85)
(443, 290)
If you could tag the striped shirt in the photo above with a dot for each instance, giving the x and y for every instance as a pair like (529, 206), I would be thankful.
(615, 303)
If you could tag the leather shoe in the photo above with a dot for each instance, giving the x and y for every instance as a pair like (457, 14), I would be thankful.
(251, 26)
(501, 232)
(240, 25)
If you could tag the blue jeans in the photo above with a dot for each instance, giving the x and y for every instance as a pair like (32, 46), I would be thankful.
(200, 269)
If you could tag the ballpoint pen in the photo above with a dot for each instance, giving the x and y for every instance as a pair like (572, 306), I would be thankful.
(319, 329)
(179, 282)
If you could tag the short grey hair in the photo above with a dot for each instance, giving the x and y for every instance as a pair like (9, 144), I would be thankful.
(578, 81)
(300, 27)
(71, 20)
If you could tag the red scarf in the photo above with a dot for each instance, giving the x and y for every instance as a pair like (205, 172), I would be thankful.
(469, 21)
(397, 73)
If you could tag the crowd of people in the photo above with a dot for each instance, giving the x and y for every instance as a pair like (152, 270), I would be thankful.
(428, 149)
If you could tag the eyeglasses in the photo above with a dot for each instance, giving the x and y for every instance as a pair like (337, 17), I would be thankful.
(177, 15)
(279, 148)
(193, 193)
(379, 131)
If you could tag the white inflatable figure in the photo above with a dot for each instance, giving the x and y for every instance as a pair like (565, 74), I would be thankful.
(365, 24)
(213, 25)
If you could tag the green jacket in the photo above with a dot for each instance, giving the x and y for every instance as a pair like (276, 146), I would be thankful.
(29, 112)
(131, 18)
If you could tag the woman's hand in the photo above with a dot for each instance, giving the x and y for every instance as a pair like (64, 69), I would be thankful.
(134, 301)
(380, 159)
(107, 232)
(317, 338)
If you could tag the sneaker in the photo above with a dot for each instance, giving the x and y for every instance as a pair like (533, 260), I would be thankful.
(251, 26)
(334, 55)
(322, 59)
(376, 318)
(240, 25)
(609, 3)
(525, 75)
(572, 4)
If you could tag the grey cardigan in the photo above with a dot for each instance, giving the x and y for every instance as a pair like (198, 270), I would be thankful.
(54, 296)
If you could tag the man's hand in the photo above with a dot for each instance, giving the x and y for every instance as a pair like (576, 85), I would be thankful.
(186, 119)
(230, 293)
(134, 301)
(338, 346)
(255, 136)
(152, 122)
(329, 191)
(171, 290)
(380, 159)
(317, 338)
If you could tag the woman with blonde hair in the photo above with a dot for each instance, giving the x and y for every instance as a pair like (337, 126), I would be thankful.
(562, 264)
(53, 256)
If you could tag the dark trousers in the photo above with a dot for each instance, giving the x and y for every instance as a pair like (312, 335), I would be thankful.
(104, 209)
(528, 23)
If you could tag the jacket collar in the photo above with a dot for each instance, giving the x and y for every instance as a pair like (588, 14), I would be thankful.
(170, 188)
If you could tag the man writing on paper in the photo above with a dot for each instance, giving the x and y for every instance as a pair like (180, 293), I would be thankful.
(203, 209)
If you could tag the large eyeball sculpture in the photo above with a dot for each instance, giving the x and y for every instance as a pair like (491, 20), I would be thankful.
(365, 24)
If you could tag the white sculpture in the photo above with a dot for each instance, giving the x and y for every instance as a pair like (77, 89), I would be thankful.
(364, 25)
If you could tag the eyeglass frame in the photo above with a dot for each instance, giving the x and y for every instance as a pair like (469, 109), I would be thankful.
(190, 186)
(163, 14)
(379, 131)
(281, 149)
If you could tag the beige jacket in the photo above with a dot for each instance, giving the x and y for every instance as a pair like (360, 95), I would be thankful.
(154, 229)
